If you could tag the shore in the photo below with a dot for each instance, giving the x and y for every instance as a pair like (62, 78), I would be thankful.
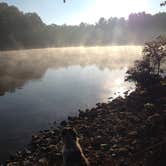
(127, 131)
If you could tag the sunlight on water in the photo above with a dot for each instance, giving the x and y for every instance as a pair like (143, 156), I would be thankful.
(40, 86)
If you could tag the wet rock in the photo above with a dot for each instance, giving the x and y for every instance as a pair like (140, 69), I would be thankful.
(104, 147)
(113, 155)
(52, 147)
(27, 151)
(149, 107)
(13, 164)
(133, 134)
(43, 161)
(63, 123)
(122, 151)
(134, 142)
(154, 119)
(72, 118)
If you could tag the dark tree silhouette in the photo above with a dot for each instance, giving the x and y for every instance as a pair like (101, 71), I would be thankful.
(163, 3)
(152, 67)
(27, 30)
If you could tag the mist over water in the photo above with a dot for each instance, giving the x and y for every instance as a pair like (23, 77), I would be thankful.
(40, 86)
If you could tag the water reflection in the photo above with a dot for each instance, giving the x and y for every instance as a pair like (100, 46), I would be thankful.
(18, 67)
(50, 84)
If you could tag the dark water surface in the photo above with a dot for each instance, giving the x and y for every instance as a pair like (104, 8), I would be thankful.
(38, 87)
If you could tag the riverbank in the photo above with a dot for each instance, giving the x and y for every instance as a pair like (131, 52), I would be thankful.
(127, 131)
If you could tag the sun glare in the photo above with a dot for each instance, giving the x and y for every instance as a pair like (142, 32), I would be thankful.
(112, 8)
(119, 8)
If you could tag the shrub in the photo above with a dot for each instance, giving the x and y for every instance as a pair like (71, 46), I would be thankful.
(151, 68)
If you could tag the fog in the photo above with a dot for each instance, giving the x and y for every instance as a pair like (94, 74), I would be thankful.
(18, 67)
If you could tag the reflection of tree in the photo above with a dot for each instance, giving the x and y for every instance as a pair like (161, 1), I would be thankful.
(14, 74)
(18, 67)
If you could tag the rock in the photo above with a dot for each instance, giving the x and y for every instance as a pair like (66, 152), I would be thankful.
(104, 146)
(134, 142)
(63, 123)
(52, 147)
(122, 151)
(154, 119)
(99, 105)
(113, 155)
(115, 146)
(149, 107)
(34, 137)
(72, 118)
(26, 163)
(43, 161)
(27, 151)
(13, 164)
(133, 134)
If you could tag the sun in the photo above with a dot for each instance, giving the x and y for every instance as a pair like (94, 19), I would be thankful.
(113, 8)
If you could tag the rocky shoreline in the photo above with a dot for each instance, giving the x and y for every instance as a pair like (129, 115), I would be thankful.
(128, 131)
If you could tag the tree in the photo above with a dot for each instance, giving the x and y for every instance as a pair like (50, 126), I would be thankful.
(163, 3)
(151, 68)
(27, 30)
(155, 51)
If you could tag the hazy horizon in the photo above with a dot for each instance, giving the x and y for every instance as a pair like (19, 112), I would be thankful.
(73, 12)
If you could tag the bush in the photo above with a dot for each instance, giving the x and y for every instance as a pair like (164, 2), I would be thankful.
(151, 68)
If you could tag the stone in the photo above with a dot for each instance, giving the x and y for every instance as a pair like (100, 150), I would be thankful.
(133, 133)
(63, 123)
(122, 151)
(104, 146)
(154, 119)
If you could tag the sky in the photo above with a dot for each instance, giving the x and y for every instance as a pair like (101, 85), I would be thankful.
(88, 11)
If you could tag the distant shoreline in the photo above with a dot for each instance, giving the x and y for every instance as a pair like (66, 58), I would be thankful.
(76, 46)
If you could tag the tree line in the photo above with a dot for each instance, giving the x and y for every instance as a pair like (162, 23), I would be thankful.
(27, 30)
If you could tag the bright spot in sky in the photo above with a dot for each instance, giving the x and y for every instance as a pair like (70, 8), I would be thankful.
(119, 8)
(88, 11)
(115, 8)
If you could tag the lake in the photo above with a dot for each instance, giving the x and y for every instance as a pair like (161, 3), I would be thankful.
(40, 86)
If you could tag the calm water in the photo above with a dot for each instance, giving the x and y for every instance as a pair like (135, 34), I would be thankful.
(38, 87)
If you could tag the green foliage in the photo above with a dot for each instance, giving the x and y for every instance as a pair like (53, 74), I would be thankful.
(26, 30)
(151, 68)
(18, 29)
